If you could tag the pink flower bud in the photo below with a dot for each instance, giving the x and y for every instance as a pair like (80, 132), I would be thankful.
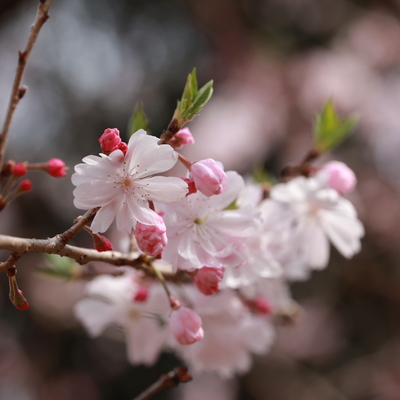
(261, 305)
(56, 168)
(181, 138)
(207, 280)
(186, 326)
(340, 176)
(208, 177)
(191, 186)
(25, 185)
(110, 140)
(101, 243)
(142, 294)
(151, 239)
(20, 169)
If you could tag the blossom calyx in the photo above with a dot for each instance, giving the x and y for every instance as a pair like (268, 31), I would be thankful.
(186, 326)
(209, 177)
(181, 138)
(101, 243)
(207, 280)
(151, 239)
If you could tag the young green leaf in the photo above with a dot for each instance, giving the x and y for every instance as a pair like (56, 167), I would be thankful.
(329, 129)
(201, 99)
(61, 267)
(138, 120)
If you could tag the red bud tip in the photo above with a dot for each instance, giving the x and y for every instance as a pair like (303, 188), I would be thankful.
(142, 294)
(25, 185)
(56, 168)
(101, 243)
(262, 305)
(20, 169)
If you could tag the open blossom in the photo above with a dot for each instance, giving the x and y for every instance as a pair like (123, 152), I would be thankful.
(339, 176)
(231, 334)
(119, 301)
(122, 185)
(202, 233)
(186, 326)
(314, 214)
(208, 176)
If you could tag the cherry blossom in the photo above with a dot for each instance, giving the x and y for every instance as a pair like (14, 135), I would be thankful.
(201, 232)
(113, 301)
(314, 214)
(122, 185)
(231, 334)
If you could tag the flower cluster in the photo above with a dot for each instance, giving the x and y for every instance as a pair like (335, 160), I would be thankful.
(234, 247)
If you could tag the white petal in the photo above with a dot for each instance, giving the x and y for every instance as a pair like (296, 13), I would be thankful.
(147, 157)
(344, 232)
(104, 218)
(95, 194)
(141, 211)
(315, 245)
(95, 315)
(164, 189)
(145, 340)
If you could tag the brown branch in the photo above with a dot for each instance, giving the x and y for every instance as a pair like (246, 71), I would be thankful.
(20, 246)
(17, 90)
(166, 381)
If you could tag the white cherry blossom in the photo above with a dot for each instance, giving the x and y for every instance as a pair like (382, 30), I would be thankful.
(315, 215)
(111, 302)
(231, 334)
(201, 232)
(122, 185)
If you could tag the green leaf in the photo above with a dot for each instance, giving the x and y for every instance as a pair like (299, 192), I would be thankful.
(330, 130)
(260, 175)
(61, 267)
(189, 92)
(201, 99)
(138, 120)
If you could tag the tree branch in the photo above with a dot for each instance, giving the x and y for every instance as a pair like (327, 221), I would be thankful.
(166, 381)
(18, 91)
(20, 246)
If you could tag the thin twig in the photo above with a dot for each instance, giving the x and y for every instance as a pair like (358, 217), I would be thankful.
(166, 381)
(17, 90)
(80, 223)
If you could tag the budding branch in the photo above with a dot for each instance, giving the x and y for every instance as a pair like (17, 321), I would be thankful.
(18, 91)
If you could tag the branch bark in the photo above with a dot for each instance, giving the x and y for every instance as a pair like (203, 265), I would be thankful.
(18, 91)
(20, 246)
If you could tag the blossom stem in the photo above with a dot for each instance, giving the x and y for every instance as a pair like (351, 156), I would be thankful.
(160, 277)
(18, 91)
(166, 381)
(185, 161)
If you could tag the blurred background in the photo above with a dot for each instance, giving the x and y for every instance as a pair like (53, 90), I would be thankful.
(274, 64)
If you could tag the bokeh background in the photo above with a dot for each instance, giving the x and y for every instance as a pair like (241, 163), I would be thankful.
(274, 64)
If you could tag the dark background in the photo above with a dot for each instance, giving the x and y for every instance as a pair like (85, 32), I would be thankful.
(274, 64)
